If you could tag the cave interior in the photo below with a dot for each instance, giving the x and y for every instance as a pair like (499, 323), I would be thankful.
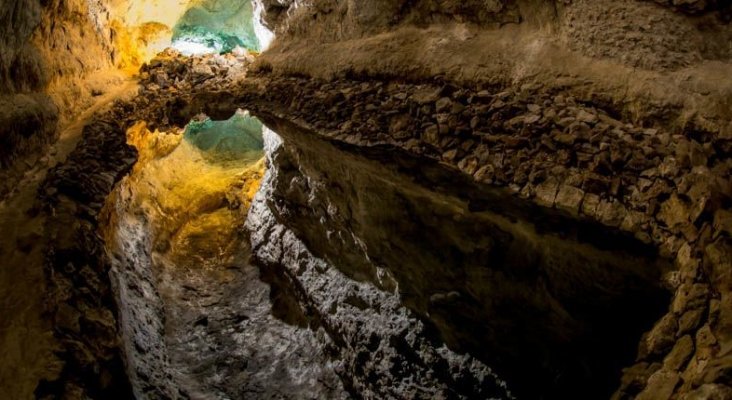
(400, 199)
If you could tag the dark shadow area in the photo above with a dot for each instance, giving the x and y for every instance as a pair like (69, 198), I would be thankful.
(555, 304)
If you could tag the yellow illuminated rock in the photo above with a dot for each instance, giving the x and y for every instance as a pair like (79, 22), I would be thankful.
(192, 203)
(144, 28)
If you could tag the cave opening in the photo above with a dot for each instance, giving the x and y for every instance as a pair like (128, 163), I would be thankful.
(144, 28)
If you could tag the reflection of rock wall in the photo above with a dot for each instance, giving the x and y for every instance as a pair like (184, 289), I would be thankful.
(384, 349)
(534, 306)
(173, 186)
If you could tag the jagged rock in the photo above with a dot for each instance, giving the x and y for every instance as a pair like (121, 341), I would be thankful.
(680, 354)
(663, 335)
(723, 222)
(546, 192)
(661, 386)
(708, 391)
(569, 198)
(674, 212)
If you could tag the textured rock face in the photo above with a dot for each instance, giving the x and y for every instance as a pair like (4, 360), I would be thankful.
(381, 348)
(475, 192)
(47, 49)
(80, 301)
(526, 298)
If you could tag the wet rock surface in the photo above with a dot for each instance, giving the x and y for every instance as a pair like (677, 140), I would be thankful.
(662, 188)
(558, 158)
(383, 349)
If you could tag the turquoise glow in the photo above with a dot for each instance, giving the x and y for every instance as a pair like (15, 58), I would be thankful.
(238, 138)
(218, 26)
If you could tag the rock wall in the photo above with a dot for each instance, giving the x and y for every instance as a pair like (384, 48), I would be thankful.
(382, 348)
(650, 63)
(79, 300)
(47, 50)
(503, 281)
(581, 79)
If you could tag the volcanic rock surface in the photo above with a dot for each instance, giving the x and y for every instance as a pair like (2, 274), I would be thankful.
(458, 199)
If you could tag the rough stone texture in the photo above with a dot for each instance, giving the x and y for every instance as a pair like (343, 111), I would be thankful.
(646, 38)
(80, 300)
(384, 350)
(541, 144)
(47, 50)
(614, 114)
(622, 188)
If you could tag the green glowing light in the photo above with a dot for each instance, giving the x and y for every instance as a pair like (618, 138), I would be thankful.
(216, 26)
(239, 137)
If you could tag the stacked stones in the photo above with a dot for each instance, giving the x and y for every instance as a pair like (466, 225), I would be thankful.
(172, 72)
(670, 190)
(81, 303)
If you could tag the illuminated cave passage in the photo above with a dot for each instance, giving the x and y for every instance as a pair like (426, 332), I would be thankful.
(423, 199)
(195, 318)
(547, 299)
(143, 28)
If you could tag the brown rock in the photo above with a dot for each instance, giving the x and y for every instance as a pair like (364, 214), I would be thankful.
(705, 337)
(586, 117)
(674, 212)
(399, 126)
(634, 379)
(723, 222)
(431, 135)
(680, 354)
(589, 204)
(723, 317)
(690, 296)
(611, 212)
(443, 105)
(569, 198)
(546, 192)
(426, 95)
(661, 386)
(690, 320)
(718, 261)
(662, 336)
(632, 221)
(485, 173)
(709, 392)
